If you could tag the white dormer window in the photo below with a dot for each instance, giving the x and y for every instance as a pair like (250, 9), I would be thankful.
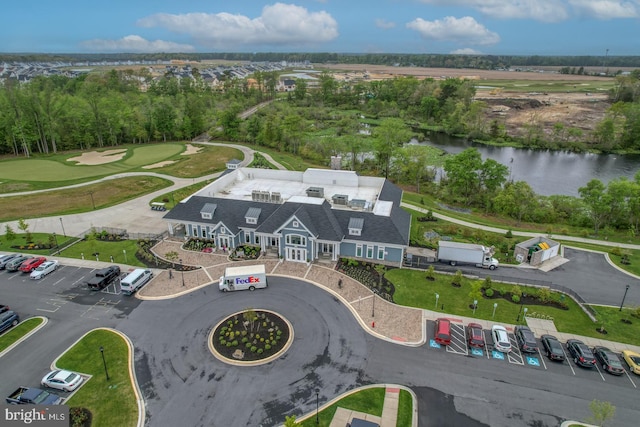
(252, 220)
(208, 210)
(355, 226)
(296, 224)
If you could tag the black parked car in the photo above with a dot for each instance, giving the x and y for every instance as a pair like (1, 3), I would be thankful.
(526, 339)
(8, 319)
(581, 354)
(552, 347)
(608, 360)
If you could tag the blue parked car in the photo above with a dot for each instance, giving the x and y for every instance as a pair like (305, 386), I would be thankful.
(8, 319)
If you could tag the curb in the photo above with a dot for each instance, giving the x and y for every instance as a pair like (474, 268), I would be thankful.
(132, 372)
(27, 335)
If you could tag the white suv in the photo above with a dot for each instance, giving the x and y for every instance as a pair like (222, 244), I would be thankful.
(500, 339)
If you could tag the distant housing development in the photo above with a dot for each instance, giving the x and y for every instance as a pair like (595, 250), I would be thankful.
(298, 216)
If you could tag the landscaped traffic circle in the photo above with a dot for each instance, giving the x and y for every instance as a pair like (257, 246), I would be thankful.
(251, 337)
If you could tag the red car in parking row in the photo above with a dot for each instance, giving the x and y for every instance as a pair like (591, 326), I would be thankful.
(31, 264)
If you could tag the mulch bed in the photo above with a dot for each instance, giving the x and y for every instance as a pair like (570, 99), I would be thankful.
(269, 333)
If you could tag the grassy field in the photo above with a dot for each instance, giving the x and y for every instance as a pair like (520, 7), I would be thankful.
(112, 402)
(14, 334)
(174, 197)
(80, 199)
(414, 290)
(595, 85)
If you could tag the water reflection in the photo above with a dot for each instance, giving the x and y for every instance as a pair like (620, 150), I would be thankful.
(547, 172)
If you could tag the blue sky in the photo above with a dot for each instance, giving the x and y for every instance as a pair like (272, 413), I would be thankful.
(509, 27)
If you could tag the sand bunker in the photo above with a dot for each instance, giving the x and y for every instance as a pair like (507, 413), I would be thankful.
(159, 165)
(191, 150)
(99, 157)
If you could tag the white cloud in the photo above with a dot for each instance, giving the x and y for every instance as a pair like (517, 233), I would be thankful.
(466, 51)
(465, 30)
(135, 44)
(606, 9)
(384, 24)
(540, 10)
(280, 23)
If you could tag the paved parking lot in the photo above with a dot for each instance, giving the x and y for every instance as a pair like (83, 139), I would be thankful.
(532, 361)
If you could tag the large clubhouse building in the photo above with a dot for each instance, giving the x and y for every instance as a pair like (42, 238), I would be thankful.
(299, 216)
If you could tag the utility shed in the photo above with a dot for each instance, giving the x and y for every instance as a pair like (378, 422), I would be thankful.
(536, 250)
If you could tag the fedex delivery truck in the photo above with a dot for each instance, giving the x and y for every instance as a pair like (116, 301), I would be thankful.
(241, 278)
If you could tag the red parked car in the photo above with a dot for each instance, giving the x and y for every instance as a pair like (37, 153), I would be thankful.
(31, 264)
(475, 336)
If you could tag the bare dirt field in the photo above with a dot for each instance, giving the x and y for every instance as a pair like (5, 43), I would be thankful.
(512, 108)
(99, 157)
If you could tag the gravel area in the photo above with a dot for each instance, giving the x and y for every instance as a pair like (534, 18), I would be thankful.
(381, 317)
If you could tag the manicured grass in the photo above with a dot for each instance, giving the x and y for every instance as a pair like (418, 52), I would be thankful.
(405, 409)
(23, 247)
(414, 290)
(81, 199)
(596, 84)
(612, 320)
(106, 250)
(149, 154)
(14, 334)
(53, 170)
(369, 401)
(208, 160)
(112, 402)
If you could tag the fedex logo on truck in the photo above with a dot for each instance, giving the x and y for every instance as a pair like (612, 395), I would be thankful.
(250, 279)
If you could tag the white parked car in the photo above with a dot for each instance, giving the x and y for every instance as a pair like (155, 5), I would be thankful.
(62, 380)
(500, 339)
(44, 269)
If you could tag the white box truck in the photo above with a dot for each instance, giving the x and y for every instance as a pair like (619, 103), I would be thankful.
(241, 278)
(466, 253)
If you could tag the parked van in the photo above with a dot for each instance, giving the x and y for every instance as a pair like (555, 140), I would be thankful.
(135, 280)
(443, 331)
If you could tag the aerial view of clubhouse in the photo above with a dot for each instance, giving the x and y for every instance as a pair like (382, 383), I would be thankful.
(319, 214)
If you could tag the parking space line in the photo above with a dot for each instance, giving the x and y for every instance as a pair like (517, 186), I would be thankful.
(629, 376)
(486, 347)
(58, 281)
(566, 357)
(600, 372)
(458, 340)
(542, 359)
(514, 356)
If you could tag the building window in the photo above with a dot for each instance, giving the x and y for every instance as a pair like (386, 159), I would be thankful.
(359, 251)
(252, 220)
(369, 251)
(295, 224)
(296, 239)
(203, 230)
(247, 238)
(381, 252)
(223, 230)
(257, 242)
(354, 231)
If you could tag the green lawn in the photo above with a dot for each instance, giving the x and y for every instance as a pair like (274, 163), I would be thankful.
(405, 409)
(14, 334)
(414, 290)
(112, 402)
(150, 154)
(106, 250)
(369, 401)
(596, 84)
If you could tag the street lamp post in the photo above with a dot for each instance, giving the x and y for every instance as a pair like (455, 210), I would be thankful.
(93, 203)
(62, 225)
(124, 251)
(317, 397)
(182, 271)
(437, 297)
(495, 305)
(104, 362)
(373, 305)
(475, 305)
(626, 289)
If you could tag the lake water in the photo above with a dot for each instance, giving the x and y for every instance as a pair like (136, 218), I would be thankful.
(547, 172)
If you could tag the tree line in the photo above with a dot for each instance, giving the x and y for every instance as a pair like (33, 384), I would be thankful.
(431, 60)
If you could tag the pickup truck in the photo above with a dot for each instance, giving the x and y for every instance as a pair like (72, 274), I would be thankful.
(103, 277)
(33, 396)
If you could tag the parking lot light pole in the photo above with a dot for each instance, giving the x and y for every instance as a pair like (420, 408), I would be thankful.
(437, 297)
(182, 271)
(104, 362)
(475, 305)
(55, 238)
(524, 316)
(626, 289)
(317, 397)
(62, 225)
(124, 251)
(495, 305)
